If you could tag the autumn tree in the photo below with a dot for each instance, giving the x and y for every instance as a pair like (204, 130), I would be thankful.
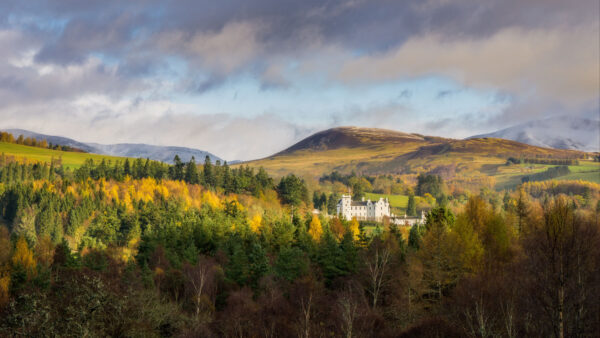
(438, 257)
(354, 228)
(315, 230)
(23, 259)
(562, 254)
(5, 255)
(337, 227)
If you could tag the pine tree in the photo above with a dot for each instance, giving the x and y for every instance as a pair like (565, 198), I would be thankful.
(411, 209)
(259, 263)
(177, 173)
(209, 175)
(127, 168)
(191, 172)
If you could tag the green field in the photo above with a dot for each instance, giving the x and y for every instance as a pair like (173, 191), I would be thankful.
(69, 159)
(396, 201)
(592, 176)
(509, 177)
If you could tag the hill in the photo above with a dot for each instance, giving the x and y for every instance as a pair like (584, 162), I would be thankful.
(378, 151)
(67, 158)
(563, 132)
(136, 150)
(352, 137)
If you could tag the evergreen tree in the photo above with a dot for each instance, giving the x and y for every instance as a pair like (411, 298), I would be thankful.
(291, 263)
(178, 166)
(258, 263)
(237, 269)
(292, 190)
(209, 175)
(127, 168)
(411, 209)
(191, 172)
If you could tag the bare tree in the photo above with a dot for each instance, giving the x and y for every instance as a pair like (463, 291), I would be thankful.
(377, 265)
(201, 282)
(348, 311)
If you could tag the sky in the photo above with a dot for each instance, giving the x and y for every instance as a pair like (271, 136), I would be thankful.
(245, 79)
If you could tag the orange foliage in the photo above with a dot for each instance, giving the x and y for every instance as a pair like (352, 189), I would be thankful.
(337, 227)
(537, 189)
(23, 257)
(4, 290)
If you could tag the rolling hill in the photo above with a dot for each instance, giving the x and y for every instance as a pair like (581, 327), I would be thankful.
(68, 158)
(378, 151)
(135, 150)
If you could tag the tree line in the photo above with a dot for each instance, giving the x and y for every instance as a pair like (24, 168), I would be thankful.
(33, 142)
(550, 161)
(548, 174)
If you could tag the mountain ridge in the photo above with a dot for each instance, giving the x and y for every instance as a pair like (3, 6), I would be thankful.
(141, 150)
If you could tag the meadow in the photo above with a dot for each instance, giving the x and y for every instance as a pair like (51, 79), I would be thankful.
(396, 201)
(69, 159)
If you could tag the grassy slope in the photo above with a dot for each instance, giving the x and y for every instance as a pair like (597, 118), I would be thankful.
(69, 159)
(473, 158)
(396, 201)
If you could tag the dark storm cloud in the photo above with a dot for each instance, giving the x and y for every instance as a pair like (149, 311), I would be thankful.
(118, 28)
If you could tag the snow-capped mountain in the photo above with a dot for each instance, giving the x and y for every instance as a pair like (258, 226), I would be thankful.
(563, 132)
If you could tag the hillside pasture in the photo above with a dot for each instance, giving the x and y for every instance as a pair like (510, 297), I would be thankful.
(35, 154)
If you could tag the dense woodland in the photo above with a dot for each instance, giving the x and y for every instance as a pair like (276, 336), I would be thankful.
(142, 248)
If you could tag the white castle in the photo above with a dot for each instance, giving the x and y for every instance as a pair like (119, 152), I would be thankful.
(373, 211)
(363, 210)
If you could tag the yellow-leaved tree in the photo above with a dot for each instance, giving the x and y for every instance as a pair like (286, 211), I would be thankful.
(4, 290)
(4, 266)
(353, 227)
(255, 223)
(315, 229)
(23, 258)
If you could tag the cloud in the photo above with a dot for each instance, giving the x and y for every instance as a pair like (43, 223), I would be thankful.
(524, 63)
(223, 51)
(101, 119)
(114, 71)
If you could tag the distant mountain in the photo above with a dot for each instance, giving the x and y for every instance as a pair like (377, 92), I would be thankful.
(157, 153)
(562, 132)
(63, 141)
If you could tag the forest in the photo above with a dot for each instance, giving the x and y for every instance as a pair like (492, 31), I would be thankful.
(143, 248)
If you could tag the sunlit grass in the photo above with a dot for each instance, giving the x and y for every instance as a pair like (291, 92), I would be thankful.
(69, 159)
